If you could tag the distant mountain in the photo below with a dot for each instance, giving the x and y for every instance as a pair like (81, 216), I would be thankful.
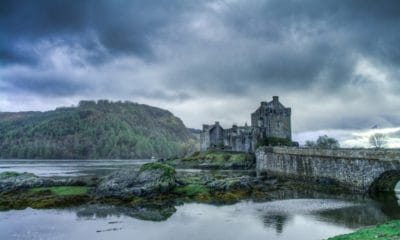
(102, 129)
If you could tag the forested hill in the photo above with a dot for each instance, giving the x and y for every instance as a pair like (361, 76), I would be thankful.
(93, 130)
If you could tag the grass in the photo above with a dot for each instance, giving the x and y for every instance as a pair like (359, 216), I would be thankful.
(387, 231)
(63, 190)
(217, 156)
(215, 159)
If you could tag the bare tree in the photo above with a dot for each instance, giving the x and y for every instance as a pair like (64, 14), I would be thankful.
(378, 140)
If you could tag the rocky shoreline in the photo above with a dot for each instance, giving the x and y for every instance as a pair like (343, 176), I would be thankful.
(152, 184)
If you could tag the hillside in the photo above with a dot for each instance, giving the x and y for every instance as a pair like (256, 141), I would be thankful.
(95, 130)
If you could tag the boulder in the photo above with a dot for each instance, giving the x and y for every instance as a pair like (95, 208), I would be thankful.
(152, 179)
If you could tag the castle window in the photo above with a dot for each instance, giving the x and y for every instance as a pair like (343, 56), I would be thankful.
(278, 124)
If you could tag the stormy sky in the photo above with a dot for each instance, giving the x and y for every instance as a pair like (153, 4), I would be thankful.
(336, 63)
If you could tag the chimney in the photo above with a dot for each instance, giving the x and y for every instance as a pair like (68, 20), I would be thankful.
(275, 99)
(216, 123)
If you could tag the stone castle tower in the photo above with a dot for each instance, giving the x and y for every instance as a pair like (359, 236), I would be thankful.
(271, 119)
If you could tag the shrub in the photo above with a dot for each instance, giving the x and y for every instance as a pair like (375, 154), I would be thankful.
(274, 141)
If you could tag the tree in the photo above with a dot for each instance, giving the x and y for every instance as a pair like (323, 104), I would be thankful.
(310, 144)
(378, 140)
(323, 142)
(327, 142)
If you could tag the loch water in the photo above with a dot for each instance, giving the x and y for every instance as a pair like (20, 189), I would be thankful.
(305, 216)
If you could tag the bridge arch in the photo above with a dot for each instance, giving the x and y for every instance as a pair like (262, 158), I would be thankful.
(386, 182)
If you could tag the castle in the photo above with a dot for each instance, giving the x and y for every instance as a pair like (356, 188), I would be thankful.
(271, 119)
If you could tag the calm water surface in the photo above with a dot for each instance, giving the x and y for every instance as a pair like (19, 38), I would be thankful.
(300, 217)
(68, 167)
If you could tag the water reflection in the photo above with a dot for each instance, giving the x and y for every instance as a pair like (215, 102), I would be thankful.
(276, 221)
(280, 219)
(388, 203)
(148, 213)
(68, 167)
(354, 216)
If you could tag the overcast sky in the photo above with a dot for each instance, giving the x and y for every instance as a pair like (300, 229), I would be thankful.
(335, 63)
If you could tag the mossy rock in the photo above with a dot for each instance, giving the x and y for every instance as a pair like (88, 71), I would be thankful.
(168, 171)
(59, 202)
(194, 191)
(151, 180)
(53, 197)
(230, 197)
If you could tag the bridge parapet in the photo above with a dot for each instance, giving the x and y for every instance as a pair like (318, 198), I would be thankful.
(360, 169)
(377, 154)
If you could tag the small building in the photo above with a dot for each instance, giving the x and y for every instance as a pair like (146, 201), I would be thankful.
(271, 119)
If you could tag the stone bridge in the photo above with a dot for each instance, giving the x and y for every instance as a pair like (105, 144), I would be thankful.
(365, 170)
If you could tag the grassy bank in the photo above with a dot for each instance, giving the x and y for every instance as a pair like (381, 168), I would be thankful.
(387, 231)
(215, 160)
(45, 197)
(62, 190)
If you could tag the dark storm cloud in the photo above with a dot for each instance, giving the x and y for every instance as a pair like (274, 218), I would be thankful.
(122, 27)
(176, 96)
(311, 42)
(329, 52)
(53, 85)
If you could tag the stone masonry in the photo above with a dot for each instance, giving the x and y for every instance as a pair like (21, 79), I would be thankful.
(360, 169)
